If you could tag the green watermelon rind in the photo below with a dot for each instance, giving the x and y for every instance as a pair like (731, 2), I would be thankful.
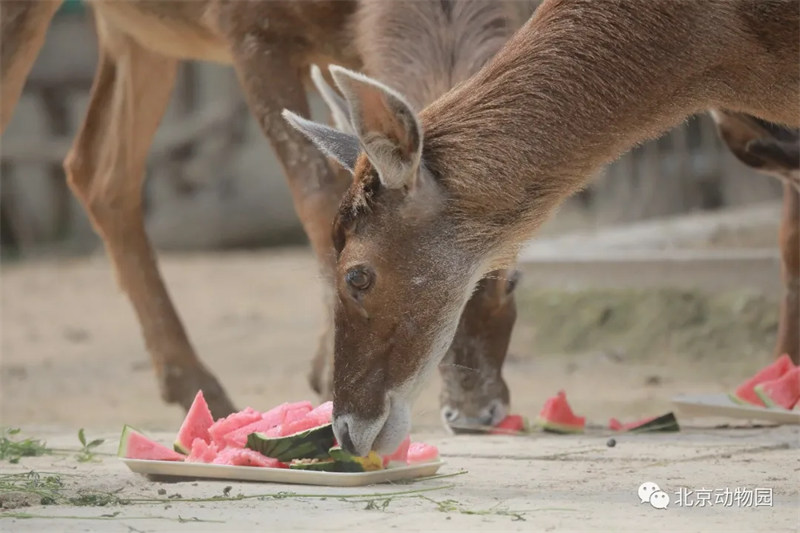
(557, 427)
(764, 397)
(664, 423)
(329, 465)
(122, 449)
(180, 449)
(312, 443)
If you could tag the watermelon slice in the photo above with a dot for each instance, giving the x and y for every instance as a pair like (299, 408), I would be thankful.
(223, 426)
(400, 456)
(134, 445)
(202, 452)
(238, 437)
(745, 393)
(312, 443)
(666, 422)
(296, 411)
(782, 392)
(323, 413)
(245, 457)
(195, 425)
(419, 452)
(510, 425)
(557, 416)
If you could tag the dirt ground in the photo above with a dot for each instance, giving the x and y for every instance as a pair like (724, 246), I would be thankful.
(72, 358)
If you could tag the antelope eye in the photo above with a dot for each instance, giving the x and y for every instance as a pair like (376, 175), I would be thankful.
(359, 278)
(512, 281)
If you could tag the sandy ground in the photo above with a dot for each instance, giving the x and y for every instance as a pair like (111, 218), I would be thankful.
(538, 483)
(72, 357)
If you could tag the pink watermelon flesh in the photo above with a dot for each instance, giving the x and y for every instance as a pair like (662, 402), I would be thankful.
(238, 437)
(616, 425)
(202, 452)
(323, 413)
(195, 425)
(297, 411)
(419, 452)
(746, 393)
(275, 416)
(290, 428)
(400, 455)
(557, 415)
(782, 392)
(245, 457)
(223, 426)
(134, 445)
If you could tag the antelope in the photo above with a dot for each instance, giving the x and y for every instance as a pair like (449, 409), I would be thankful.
(271, 45)
(775, 151)
(441, 44)
(442, 197)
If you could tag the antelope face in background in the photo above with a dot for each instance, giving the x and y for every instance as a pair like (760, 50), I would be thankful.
(474, 393)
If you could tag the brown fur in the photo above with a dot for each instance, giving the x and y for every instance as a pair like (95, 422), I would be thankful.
(774, 150)
(579, 84)
(423, 49)
(270, 44)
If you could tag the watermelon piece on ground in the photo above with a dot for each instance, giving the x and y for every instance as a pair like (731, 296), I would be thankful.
(782, 392)
(400, 455)
(615, 425)
(745, 393)
(202, 452)
(557, 416)
(419, 452)
(223, 426)
(510, 425)
(666, 422)
(245, 457)
(195, 425)
(134, 445)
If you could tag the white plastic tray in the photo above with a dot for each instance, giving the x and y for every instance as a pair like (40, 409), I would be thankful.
(721, 405)
(280, 475)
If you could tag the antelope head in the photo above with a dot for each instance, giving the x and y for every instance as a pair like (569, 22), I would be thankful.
(404, 269)
(474, 392)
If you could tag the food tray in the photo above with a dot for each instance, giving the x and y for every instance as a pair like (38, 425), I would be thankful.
(280, 475)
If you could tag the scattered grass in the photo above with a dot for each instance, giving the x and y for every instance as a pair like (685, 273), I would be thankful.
(13, 450)
(110, 516)
(516, 515)
(87, 453)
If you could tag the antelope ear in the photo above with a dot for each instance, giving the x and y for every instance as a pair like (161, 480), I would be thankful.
(336, 104)
(343, 147)
(386, 126)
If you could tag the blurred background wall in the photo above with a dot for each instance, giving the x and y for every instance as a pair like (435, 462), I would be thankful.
(213, 181)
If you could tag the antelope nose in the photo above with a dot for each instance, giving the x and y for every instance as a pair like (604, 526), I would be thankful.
(493, 414)
(342, 432)
(450, 414)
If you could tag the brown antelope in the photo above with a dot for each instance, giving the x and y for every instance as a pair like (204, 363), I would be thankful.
(774, 150)
(424, 49)
(271, 45)
(443, 197)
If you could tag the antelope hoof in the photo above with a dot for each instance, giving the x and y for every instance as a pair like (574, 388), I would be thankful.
(178, 385)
